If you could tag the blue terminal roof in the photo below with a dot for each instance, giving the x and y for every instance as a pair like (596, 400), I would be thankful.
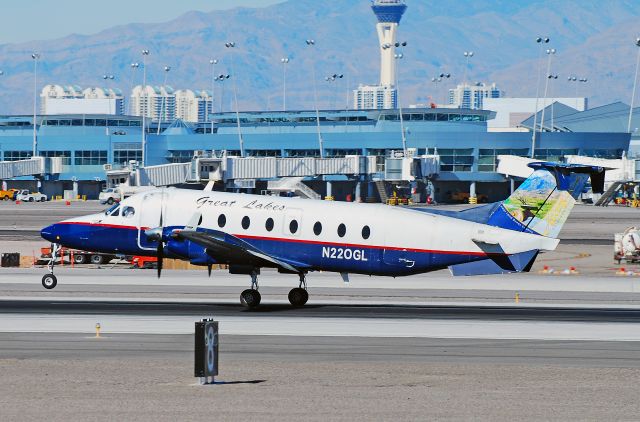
(389, 11)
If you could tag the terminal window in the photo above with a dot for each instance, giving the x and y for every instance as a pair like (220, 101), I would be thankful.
(456, 159)
(66, 156)
(90, 158)
(124, 156)
(17, 155)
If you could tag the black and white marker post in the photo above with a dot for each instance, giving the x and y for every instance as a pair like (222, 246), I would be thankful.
(206, 351)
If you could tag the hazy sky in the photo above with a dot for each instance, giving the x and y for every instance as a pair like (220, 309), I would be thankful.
(28, 20)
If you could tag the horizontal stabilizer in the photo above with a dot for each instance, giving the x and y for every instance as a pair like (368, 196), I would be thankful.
(499, 264)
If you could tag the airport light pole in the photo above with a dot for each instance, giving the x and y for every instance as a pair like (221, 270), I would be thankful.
(221, 78)
(134, 67)
(167, 69)
(285, 61)
(36, 57)
(399, 56)
(541, 41)
(213, 63)
(144, 110)
(550, 53)
(635, 82)
(107, 94)
(467, 55)
(552, 78)
(437, 79)
(331, 79)
(577, 80)
(312, 43)
(231, 46)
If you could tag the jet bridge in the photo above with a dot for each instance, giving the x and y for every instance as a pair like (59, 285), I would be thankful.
(32, 167)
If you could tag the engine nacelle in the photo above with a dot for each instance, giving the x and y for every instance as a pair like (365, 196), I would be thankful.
(196, 254)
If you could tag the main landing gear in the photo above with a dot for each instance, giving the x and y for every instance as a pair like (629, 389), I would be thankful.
(49, 281)
(251, 297)
(298, 297)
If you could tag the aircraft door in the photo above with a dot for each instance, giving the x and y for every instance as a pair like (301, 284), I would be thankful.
(393, 255)
(147, 211)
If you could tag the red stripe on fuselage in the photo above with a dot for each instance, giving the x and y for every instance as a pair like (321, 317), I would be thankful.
(304, 241)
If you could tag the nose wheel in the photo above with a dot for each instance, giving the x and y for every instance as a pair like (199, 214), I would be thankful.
(49, 281)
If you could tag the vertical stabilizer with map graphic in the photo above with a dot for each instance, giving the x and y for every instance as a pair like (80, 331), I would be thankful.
(541, 205)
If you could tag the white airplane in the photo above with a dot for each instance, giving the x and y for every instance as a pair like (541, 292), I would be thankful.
(297, 236)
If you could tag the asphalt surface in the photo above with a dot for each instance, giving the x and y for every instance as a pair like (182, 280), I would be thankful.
(309, 349)
(492, 313)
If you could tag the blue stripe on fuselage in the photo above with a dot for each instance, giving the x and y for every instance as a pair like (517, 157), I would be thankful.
(362, 259)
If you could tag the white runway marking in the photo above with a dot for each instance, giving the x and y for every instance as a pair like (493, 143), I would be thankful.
(340, 327)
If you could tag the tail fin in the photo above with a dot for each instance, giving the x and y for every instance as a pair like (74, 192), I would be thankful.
(543, 202)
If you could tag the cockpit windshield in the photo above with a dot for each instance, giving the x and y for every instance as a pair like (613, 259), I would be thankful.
(113, 211)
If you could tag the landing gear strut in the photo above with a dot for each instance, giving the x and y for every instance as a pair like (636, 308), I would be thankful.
(251, 297)
(49, 281)
(299, 296)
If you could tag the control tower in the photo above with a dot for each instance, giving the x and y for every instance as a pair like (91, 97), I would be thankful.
(389, 14)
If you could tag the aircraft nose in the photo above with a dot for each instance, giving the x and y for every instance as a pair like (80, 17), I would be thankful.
(51, 233)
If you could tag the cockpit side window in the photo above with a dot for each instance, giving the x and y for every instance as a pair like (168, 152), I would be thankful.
(128, 212)
(113, 211)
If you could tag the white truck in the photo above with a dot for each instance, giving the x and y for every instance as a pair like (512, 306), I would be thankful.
(27, 196)
(112, 195)
(627, 246)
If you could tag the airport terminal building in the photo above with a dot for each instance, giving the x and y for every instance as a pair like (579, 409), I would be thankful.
(86, 147)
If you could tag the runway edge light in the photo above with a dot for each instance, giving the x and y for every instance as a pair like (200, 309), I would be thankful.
(206, 345)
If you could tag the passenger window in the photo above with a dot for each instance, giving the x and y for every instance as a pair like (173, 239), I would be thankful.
(222, 220)
(342, 230)
(366, 232)
(128, 212)
(246, 222)
(293, 226)
(317, 228)
(269, 224)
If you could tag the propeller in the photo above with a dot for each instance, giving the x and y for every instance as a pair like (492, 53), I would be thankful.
(156, 234)
(209, 268)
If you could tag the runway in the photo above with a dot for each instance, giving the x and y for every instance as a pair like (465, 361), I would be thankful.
(424, 347)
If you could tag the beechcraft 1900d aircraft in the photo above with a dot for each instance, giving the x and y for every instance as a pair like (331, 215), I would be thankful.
(297, 236)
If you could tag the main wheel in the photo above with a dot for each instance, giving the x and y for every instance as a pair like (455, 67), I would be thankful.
(49, 281)
(298, 297)
(250, 298)
(79, 259)
(97, 259)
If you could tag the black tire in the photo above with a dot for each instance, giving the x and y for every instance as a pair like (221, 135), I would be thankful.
(110, 201)
(42, 199)
(97, 259)
(31, 199)
(250, 298)
(298, 297)
(80, 259)
(49, 281)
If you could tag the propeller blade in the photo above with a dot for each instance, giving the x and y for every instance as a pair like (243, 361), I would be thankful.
(160, 254)
(209, 268)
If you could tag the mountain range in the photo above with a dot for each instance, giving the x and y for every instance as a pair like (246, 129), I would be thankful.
(593, 39)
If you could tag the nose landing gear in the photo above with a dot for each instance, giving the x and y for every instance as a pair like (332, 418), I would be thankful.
(49, 281)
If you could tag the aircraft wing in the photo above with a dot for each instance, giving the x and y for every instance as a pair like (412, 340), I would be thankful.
(226, 247)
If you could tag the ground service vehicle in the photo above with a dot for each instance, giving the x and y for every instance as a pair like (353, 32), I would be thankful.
(9, 194)
(25, 195)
